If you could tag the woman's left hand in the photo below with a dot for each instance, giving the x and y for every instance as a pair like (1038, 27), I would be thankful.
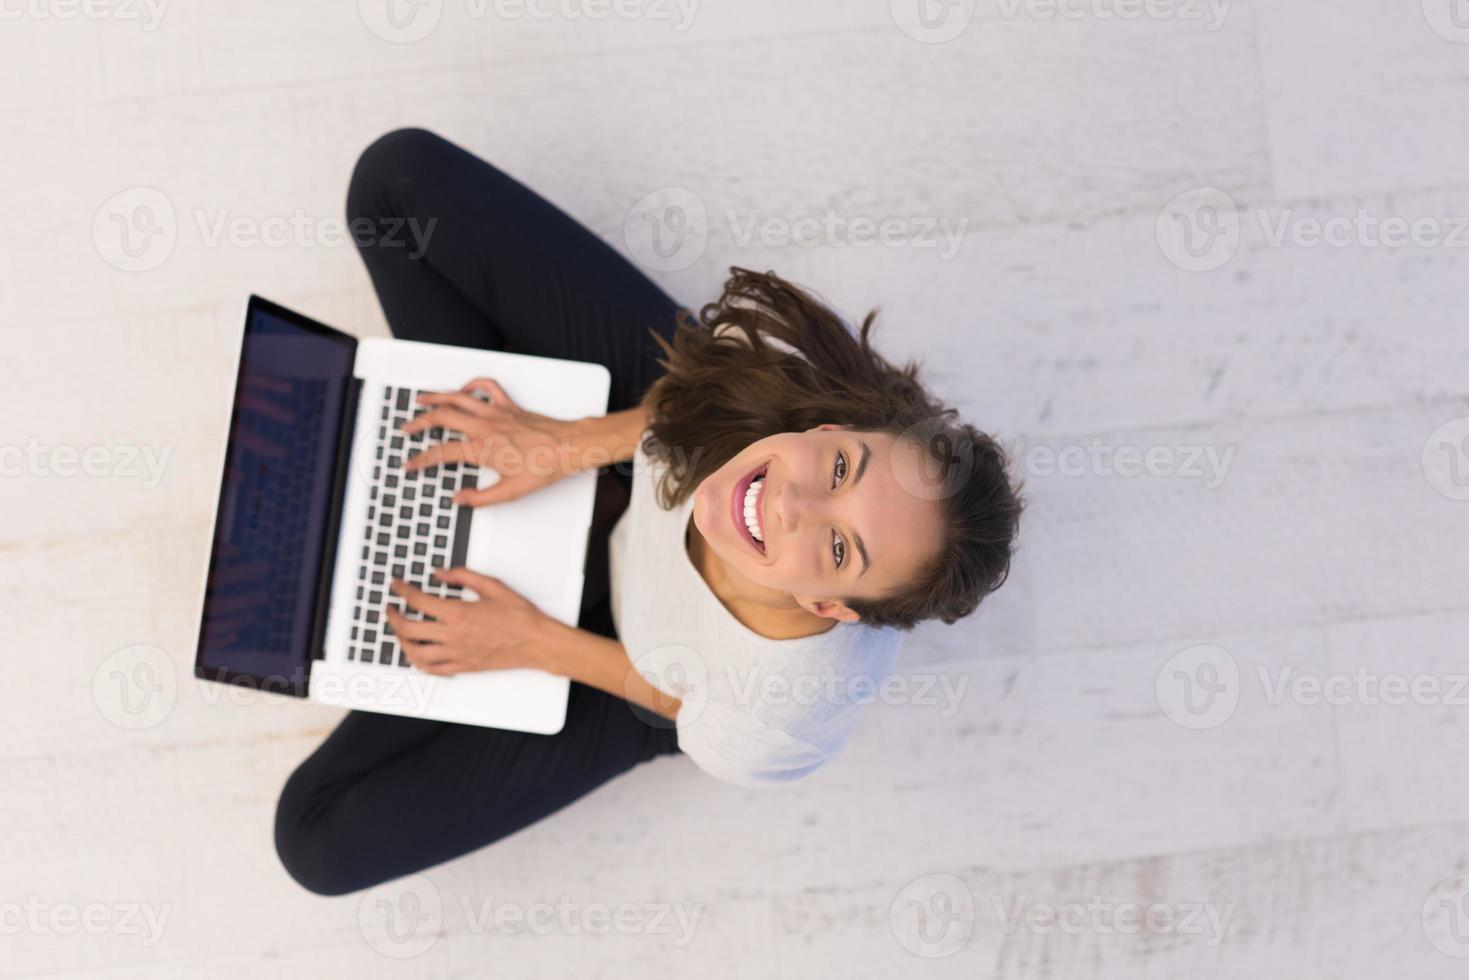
(501, 631)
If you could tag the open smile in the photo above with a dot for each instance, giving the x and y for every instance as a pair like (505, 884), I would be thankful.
(747, 508)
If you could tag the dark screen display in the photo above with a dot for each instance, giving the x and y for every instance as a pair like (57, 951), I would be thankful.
(271, 530)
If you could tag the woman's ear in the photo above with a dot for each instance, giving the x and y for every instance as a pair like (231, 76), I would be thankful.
(829, 609)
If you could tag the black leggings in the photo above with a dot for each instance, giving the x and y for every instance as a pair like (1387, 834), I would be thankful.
(503, 269)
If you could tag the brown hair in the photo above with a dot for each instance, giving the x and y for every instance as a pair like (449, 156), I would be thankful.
(721, 393)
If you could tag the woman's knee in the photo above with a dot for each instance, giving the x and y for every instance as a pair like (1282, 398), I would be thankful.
(306, 853)
(389, 159)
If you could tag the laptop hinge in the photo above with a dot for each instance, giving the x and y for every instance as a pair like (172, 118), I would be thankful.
(341, 465)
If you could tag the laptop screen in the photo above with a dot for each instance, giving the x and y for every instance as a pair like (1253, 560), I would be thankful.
(272, 526)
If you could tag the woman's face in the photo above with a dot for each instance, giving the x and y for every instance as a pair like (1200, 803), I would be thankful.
(829, 517)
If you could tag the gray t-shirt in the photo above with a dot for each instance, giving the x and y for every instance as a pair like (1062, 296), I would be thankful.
(755, 710)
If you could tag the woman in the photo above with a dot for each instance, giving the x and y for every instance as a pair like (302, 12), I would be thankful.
(786, 503)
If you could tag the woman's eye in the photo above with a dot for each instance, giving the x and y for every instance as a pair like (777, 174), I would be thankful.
(838, 548)
(839, 470)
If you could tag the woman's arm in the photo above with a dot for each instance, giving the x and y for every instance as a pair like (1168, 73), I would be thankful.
(607, 439)
(504, 630)
(526, 449)
(599, 662)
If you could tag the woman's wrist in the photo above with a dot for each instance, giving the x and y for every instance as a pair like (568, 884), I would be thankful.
(600, 662)
(602, 440)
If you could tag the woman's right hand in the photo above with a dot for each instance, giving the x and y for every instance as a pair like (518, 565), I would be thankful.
(528, 450)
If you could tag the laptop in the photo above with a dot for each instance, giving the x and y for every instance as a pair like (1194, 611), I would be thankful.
(317, 515)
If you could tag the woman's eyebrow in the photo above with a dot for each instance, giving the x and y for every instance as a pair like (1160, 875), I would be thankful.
(857, 478)
(861, 463)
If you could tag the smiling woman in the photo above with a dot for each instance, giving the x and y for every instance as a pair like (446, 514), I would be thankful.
(873, 503)
(794, 504)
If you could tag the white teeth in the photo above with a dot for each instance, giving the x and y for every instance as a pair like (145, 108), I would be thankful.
(752, 521)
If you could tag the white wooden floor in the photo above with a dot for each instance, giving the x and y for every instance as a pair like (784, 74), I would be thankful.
(1272, 834)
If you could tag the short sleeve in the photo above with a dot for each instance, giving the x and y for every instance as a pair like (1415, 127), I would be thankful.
(735, 747)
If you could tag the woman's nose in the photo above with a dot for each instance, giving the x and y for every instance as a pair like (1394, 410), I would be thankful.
(795, 508)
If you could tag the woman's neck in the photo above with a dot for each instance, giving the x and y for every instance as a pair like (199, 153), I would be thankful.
(773, 615)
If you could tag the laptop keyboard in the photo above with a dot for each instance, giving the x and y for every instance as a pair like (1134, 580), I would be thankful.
(413, 528)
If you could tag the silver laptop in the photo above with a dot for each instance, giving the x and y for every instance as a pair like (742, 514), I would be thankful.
(317, 515)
